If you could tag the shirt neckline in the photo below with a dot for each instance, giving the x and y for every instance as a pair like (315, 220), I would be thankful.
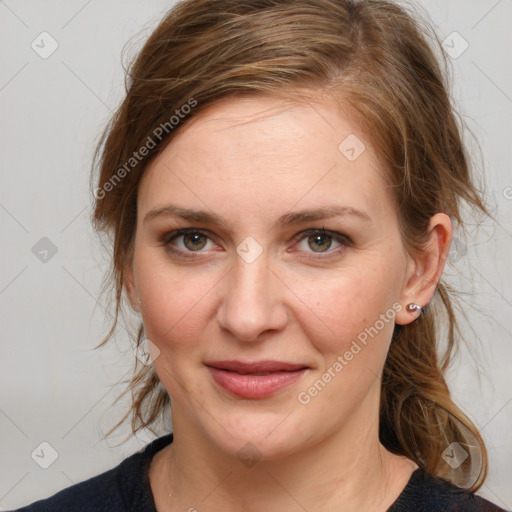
(147, 500)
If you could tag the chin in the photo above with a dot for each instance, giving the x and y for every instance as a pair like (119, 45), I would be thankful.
(252, 437)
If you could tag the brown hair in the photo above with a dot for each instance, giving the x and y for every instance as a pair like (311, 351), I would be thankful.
(370, 56)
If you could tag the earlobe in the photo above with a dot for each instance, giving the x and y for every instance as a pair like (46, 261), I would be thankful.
(425, 270)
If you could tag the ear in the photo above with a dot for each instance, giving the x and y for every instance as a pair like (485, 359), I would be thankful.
(425, 268)
(129, 283)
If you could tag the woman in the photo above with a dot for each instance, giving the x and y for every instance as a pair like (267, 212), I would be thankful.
(282, 182)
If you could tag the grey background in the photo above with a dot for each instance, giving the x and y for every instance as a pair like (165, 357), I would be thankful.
(53, 387)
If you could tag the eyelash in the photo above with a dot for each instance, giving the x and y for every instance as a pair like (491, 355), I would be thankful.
(338, 237)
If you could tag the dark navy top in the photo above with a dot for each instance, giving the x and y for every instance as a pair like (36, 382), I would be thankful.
(126, 488)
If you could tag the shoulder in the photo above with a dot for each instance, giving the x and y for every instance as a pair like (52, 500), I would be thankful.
(426, 493)
(122, 488)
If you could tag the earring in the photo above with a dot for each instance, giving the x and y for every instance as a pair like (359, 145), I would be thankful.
(413, 307)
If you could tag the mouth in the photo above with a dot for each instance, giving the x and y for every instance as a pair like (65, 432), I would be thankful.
(258, 379)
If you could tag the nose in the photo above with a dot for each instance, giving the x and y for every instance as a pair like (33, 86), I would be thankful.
(252, 300)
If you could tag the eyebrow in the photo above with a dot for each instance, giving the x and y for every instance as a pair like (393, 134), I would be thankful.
(288, 219)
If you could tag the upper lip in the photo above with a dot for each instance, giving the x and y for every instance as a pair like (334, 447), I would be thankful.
(255, 366)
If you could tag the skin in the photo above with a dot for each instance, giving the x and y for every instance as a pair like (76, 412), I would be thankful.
(251, 161)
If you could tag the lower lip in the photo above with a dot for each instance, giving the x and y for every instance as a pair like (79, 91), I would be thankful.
(254, 386)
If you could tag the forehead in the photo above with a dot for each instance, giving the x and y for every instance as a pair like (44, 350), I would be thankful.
(273, 152)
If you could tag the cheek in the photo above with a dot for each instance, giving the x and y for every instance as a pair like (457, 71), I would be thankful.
(173, 302)
(350, 331)
(344, 308)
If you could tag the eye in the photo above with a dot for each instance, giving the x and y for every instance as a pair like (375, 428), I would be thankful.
(187, 240)
(320, 241)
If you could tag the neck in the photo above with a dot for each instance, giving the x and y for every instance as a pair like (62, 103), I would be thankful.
(349, 471)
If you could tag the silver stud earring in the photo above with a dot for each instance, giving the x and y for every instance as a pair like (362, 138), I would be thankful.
(413, 307)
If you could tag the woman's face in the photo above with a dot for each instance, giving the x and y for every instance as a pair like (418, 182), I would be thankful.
(256, 279)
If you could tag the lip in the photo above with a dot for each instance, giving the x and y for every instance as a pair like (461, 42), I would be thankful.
(241, 379)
